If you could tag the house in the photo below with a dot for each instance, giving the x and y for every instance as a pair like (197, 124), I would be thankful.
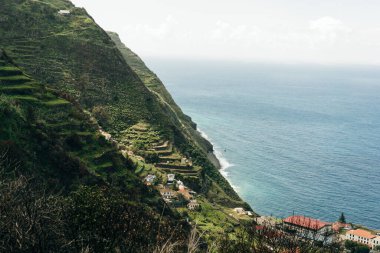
(376, 241)
(337, 226)
(149, 179)
(363, 236)
(239, 210)
(185, 192)
(171, 178)
(249, 213)
(167, 193)
(309, 228)
(193, 205)
(64, 12)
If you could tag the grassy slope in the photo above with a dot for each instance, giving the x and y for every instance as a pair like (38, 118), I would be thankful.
(154, 84)
(74, 56)
(54, 139)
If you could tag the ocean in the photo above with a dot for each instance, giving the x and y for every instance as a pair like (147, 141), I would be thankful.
(301, 139)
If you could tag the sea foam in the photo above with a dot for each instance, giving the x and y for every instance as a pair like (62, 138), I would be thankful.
(224, 163)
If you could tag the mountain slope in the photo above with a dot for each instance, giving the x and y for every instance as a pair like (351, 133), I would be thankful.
(154, 84)
(53, 138)
(92, 79)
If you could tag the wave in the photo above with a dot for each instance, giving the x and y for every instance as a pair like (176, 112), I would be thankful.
(224, 163)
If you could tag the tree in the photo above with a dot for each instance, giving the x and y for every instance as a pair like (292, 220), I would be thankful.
(355, 247)
(362, 249)
(342, 218)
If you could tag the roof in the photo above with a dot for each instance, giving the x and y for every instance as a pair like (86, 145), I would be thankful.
(306, 222)
(362, 233)
(336, 226)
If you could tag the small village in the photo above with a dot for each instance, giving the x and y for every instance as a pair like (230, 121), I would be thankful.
(349, 235)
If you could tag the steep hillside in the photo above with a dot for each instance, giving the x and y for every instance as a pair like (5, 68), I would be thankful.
(81, 101)
(61, 149)
(55, 139)
(154, 84)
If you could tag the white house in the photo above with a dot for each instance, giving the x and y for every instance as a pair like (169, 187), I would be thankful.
(64, 12)
(361, 236)
(167, 193)
(376, 242)
(193, 205)
(239, 210)
(171, 178)
(149, 179)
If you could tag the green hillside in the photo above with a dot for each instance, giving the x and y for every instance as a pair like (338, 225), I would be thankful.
(80, 108)
(54, 138)
(154, 84)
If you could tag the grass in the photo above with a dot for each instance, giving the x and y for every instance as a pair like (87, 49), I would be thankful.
(56, 102)
(211, 218)
(104, 166)
(25, 98)
(13, 80)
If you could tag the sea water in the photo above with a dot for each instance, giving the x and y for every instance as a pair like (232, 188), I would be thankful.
(298, 139)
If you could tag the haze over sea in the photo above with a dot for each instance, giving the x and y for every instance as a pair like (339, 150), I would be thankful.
(291, 138)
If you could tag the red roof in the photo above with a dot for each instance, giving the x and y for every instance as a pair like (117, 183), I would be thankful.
(338, 225)
(306, 222)
(362, 233)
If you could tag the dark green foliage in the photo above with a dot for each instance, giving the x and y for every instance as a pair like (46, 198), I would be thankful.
(355, 247)
(106, 220)
(151, 157)
(342, 218)
(90, 218)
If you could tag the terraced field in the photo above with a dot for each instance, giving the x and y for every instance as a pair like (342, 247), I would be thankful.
(143, 139)
(57, 116)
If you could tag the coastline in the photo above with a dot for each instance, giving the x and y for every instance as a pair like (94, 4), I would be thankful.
(217, 159)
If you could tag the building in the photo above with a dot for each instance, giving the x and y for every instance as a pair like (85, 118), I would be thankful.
(149, 179)
(171, 178)
(64, 12)
(239, 210)
(167, 193)
(376, 242)
(364, 237)
(193, 205)
(337, 226)
(309, 228)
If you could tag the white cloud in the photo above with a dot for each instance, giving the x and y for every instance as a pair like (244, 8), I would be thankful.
(328, 25)
(160, 31)
(328, 30)
(250, 30)
(226, 32)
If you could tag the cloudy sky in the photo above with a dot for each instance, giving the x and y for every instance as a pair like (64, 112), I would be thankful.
(292, 31)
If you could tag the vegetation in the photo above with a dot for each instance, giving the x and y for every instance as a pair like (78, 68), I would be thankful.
(354, 247)
(342, 218)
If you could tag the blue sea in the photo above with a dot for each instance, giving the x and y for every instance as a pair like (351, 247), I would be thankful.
(297, 139)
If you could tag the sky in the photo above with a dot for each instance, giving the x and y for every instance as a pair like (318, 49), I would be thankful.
(280, 31)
